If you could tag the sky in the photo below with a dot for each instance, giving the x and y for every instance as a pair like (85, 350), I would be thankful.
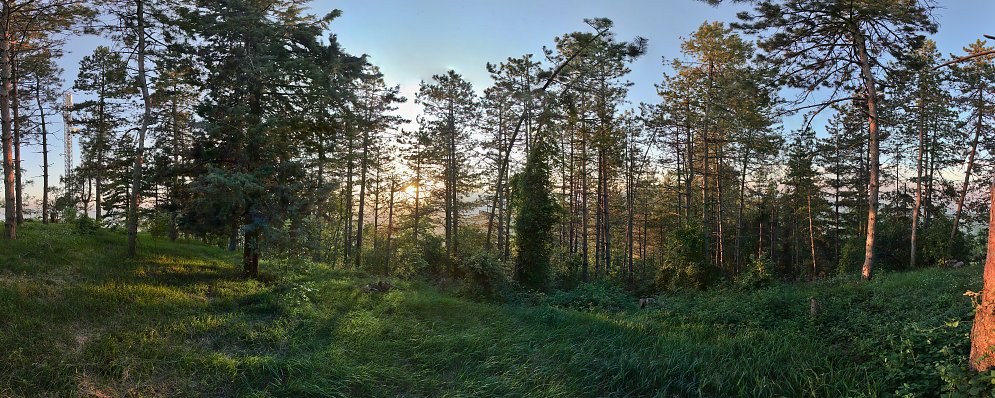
(412, 40)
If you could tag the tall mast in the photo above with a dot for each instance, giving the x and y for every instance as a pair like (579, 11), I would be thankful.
(67, 122)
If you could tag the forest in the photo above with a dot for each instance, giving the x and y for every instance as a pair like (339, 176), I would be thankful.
(231, 203)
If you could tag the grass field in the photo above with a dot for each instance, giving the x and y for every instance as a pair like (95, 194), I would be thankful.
(77, 319)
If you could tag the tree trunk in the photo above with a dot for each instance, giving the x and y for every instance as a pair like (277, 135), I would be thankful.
(918, 201)
(390, 227)
(585, 216)
(136, 173)
(872, 119)
(811, 238)
(15, 106)
(983, 330)
(347, 206)
(250, 253)
(497, 187)
(979, 126)
(362, 199)
(44, 152)
(739, 212)
(414, 231)
(10, 217)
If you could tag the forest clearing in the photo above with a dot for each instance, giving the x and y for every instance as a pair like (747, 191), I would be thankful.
(545, 199)
(180, 320)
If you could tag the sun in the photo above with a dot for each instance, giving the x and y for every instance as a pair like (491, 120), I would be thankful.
(411, 189)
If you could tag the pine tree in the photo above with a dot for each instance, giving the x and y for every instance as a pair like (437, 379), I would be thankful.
(828, 43)
(103, 75)
(264, 65)
(450, 112)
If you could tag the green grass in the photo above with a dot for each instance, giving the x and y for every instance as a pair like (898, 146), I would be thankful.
(80, 320)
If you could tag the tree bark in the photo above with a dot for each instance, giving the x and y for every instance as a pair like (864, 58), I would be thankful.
(811, 238)
(250, 253)
(983, 330)
(390, 227)
(10, 217)
(362, 199)
(136, 173)
(873, 156)
(979, 126)
(15, 106)
(918, 202)
(44, 152)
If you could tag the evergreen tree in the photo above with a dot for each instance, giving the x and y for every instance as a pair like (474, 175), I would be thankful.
(450, 113)
(104, 76)
(535, 219)
(834, 44)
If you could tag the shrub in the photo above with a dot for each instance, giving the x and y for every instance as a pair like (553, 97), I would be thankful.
(851, 257)
(485, 277)
(158, 225)
(86, 225)
(757, 274)
(684, 265)
(595, 296)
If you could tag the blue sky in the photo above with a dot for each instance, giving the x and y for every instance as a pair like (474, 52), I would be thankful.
(412, 40)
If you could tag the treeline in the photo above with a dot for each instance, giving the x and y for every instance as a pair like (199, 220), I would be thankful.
(246, 124)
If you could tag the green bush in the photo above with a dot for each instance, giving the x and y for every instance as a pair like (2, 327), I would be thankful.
(757, 274)
(158, 225)
(595, 296)
(86, 225)
(485, 277)
(684, 265)
(851, 257)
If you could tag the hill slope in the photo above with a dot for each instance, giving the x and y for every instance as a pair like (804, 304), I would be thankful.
(79, 320)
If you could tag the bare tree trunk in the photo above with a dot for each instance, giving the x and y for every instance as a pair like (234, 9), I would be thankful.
(360, 218)
(811, 238)
(689, 159)
(15, 106)
(497, 187)
(739, 214)
(585, 258)
(918, 203)
(719, 217)
(983, 330)
(44, 152)
(454, 188)
(136, 174)
(967, 173)
(347, 207)
(378, 188)
(630, 211)
(872, 191)
(417, 215)
(250, 253)
(390, 227)
(598, 221)
(10, 217)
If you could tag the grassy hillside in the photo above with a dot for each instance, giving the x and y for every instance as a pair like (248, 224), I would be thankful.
(79, 320)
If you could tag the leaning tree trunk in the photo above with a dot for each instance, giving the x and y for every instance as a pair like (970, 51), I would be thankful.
(136, 173)
(983, 331)
(873, 153)
(967, 173)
